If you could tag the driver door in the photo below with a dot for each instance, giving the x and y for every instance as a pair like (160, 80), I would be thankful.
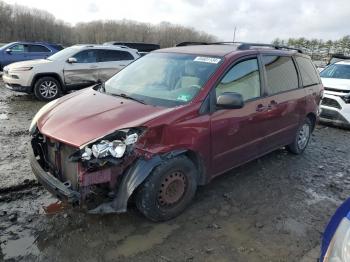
(237, 134)
(83, 72)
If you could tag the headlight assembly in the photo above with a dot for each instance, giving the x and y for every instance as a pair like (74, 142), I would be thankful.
(18, 69)
(339, 248)
(104, 148)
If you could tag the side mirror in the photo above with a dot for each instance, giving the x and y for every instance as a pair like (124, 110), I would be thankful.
(8, 50)
(230, 100)
(72, 60)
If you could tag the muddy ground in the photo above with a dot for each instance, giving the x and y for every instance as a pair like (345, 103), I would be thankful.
(272, 209)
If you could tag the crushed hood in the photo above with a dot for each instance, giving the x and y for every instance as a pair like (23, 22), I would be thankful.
(81, 117)
(341, 84)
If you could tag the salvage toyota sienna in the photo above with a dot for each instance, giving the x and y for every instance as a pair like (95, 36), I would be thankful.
(173, 120)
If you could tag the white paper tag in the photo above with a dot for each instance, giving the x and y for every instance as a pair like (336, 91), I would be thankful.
(211, 60)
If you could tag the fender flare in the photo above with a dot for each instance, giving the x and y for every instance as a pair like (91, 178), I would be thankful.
(133, 177)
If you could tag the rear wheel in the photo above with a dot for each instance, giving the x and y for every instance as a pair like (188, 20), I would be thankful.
(47, 88)
(302, 138)
(168, 189)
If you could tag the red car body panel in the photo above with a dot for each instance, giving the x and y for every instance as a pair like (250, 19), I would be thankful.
(79, 119)
(219, 139)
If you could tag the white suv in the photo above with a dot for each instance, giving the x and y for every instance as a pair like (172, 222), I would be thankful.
(335, 105)
(72, 68)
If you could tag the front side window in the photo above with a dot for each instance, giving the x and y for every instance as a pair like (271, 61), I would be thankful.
(114, 55)
(86, 56)
(243, 78)
(341, 71)
(281, 73)
(164, 79)
(38, 49)
(19, 48)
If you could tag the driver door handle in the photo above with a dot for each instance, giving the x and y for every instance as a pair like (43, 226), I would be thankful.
(272, 104)
(261, 108)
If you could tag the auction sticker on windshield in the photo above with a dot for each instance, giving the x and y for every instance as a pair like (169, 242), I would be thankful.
(211, 60)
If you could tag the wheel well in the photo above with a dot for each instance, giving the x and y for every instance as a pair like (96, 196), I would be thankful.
(312, 118)
(54, 75)
(198, 162)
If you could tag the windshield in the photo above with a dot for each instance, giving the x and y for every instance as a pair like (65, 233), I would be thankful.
(340, 71)
(3, 47)
(63, 54)
(163, 79)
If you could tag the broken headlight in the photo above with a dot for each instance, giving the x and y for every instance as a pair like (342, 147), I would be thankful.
(346, 98)
(104, 148)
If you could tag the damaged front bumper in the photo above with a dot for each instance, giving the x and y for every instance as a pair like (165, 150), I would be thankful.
(52, 184)
(84, 185)
(335, 111)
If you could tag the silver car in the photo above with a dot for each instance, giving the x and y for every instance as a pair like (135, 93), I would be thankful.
(72, 68)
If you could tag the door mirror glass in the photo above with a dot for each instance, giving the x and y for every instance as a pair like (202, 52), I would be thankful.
(230, 100)
(72, 60)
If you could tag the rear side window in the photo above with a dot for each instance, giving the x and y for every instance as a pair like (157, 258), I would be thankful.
(308, 72)
(281, 73)
(114, 55)
(87, 56)
(38, 49)
(243, 78)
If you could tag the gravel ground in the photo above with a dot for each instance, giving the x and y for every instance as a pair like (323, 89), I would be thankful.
(272, 209)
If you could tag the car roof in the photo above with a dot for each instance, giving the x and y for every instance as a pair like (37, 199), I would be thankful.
(226, 49)
(94, 46)
(37, 43)
(343, 62)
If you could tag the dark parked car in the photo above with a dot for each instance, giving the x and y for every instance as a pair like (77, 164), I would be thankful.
(21, 51)
(173, 120)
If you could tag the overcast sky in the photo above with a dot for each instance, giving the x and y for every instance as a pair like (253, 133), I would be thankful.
(256, 20)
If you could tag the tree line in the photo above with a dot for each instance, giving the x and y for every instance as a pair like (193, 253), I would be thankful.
(20, 23)
(318, 48)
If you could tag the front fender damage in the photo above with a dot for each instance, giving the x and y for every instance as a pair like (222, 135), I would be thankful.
(133, 177)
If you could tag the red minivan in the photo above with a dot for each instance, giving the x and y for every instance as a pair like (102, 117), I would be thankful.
(172, 120)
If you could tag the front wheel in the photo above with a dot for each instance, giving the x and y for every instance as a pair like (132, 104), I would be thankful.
(47, 88)
(302, 138)
(168, 190)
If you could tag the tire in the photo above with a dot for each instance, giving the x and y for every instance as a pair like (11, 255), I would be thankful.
(47, 88)
(302, 138)
(168, 189)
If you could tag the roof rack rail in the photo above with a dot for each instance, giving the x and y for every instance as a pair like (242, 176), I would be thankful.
(245, 46)
(192, 43)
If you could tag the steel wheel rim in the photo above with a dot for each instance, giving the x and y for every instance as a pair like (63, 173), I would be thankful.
(172, 189)
(48, 89)
(303, 136)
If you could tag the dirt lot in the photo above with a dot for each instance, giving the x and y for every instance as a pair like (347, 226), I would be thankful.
(273, 209)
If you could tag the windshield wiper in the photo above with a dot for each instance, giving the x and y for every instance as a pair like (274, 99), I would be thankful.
(129, 97)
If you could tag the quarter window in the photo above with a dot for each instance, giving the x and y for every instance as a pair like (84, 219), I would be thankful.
(307, 71)
(86, 56)
(243, 78)
(38, 49)
(280, 73)
(114, 55)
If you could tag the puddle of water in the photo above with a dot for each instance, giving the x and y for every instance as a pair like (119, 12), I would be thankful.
(135, 244)
(22, 246)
